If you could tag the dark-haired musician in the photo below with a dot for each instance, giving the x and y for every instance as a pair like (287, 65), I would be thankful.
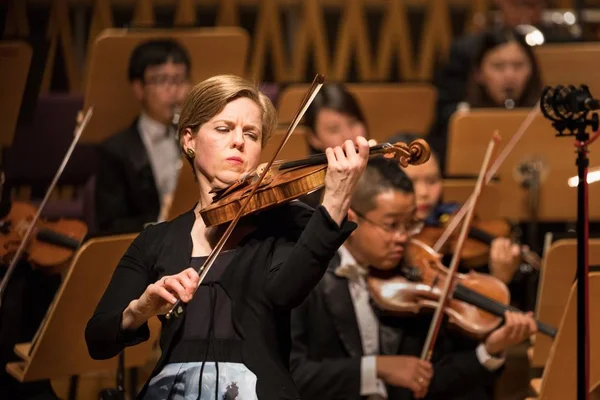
(342, 350)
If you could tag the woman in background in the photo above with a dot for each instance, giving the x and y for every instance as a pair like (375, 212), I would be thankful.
(505, 74)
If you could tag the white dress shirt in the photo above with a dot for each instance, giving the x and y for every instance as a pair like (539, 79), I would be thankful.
(163, 152)
(368, 326)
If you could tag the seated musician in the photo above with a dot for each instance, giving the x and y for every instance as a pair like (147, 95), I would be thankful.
(234, 338)
(427, 181)
(342, 350)
(333, 117)
(452, 78)
(137, 168)
(505, 74)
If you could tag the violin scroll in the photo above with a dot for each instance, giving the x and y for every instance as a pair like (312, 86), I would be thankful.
(415, 153)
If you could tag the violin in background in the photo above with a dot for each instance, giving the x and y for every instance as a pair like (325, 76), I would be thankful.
(476, 250)
(51, 245)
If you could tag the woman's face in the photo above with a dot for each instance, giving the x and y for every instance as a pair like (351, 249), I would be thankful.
(333, 128)
(504, 72)
(229, 144)
(427, 183)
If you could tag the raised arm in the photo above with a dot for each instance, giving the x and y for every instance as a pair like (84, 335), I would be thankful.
(298, 266)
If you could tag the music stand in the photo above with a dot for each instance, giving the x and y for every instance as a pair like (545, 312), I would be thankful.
(108, 89)
(559, 380)
(558, 271)
(15, 60)
(459, 191)
(468, 139)
(561, 62)
(58, 349)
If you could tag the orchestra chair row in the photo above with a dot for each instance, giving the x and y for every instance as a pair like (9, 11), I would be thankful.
(558, 381)
(58, 350)
(387, 108)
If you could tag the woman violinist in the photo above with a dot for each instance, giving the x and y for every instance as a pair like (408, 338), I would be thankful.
(504, 256)
(234, 337)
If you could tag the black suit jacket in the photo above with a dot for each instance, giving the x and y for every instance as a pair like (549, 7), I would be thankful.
(126, 196)
(327, 349)
(274, 269)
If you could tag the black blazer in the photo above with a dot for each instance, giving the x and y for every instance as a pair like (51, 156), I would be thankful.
(126, 196)
(274, 269)
(327, 348)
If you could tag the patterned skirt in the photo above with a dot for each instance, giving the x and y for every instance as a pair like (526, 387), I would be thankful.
(181, 381)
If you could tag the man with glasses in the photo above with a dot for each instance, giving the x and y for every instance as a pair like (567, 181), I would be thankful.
(342, 350)
(137, 168)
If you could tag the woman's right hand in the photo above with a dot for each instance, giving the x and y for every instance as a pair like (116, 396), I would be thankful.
(159, 298)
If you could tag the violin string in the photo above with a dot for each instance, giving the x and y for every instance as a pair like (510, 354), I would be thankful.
(493, 169)
(177, 308)
(452, 270)
(33, 222)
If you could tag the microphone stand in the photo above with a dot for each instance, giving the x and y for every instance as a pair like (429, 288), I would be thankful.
(575, 122)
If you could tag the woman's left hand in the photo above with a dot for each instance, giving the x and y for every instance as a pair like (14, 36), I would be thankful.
(345, 165)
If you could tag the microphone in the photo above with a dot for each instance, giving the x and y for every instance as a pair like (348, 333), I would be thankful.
(509, 102)
(566, 103)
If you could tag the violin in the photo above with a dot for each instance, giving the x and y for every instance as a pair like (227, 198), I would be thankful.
(476, 250)
(51, 244)
(478, 301)
(289, 180)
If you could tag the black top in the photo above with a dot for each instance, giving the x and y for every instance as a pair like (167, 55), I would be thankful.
(207, 333)
(273, 270)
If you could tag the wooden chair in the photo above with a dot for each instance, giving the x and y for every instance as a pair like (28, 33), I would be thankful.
(15, 59)
(59, 350)
(559, 379)
(388, 108)
(108, 89)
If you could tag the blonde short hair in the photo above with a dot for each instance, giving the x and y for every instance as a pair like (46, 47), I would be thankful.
(209, 97)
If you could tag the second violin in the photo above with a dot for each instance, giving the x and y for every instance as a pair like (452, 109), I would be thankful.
(476, 250)
(479, 300)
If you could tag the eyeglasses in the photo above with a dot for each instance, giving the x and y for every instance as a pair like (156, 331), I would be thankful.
(164, 80)
(409, 228)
